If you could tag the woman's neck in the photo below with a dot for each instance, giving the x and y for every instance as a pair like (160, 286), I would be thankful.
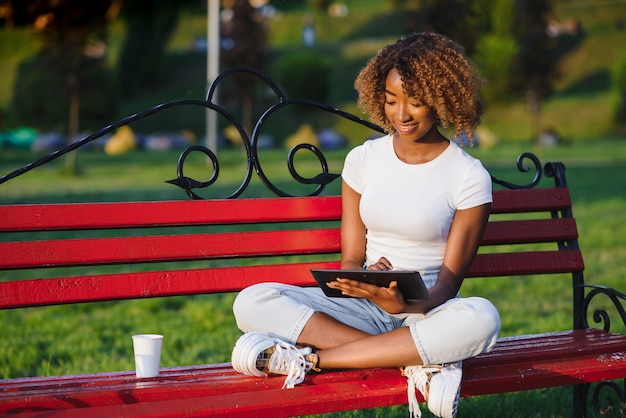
(420, 152)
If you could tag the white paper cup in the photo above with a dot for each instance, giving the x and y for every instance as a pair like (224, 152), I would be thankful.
(147, 354)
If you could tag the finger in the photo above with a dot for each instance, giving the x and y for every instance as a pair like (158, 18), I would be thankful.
(386, 263)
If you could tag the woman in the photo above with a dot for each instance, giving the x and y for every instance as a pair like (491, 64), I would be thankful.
(412, 200)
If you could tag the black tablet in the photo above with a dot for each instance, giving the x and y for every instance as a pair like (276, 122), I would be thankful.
(410, 283)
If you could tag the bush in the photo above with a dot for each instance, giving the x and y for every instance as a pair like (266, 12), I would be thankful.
(304, 74)
(493, 57)
(41, 98)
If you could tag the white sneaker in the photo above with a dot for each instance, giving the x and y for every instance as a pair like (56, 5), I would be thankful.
(445, 389)
(439, 384)
(256, 354)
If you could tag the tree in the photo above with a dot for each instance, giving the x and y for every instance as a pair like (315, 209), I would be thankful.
(73, 55)
(248, 35)
(496, 49)
(534, 67)
(149, 26)
(460, 20)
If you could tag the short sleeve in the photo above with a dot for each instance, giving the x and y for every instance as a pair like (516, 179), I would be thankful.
(352, 169)
(476, 188)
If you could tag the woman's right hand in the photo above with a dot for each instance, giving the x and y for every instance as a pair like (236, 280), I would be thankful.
(381, 264)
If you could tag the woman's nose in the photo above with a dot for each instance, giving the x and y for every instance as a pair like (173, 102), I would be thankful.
(403, 113)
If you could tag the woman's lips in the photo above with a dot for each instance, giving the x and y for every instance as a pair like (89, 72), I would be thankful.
(406, 128)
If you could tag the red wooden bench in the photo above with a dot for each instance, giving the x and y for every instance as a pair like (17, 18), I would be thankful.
(577, 357)
(254, 238)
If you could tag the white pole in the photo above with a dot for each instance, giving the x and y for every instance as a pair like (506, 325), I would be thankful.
(213, 60)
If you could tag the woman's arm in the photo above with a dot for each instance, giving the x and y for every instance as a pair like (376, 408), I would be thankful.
(466, 233)
(352, 230)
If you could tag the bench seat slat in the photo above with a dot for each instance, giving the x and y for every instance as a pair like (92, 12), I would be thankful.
(40, 292)
(183, 247)
(581, 360)
(72, 216)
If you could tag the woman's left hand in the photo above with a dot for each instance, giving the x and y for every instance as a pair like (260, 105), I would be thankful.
(389, 299)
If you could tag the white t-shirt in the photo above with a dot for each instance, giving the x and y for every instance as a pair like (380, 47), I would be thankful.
(408, 208)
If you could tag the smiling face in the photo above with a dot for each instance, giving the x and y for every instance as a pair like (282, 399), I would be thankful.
(411, 120)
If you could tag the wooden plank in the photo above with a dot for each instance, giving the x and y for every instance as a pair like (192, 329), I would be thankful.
(531, 200)
(55, 291)
(183, 247)
(529, 231)
(50, 291)
(525, 263)
(516, 363)
(48, 217)
(43, 217)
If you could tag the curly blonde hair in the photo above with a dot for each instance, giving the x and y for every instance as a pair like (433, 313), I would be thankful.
(435, 71)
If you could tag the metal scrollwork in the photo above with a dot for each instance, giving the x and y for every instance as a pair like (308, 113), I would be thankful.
(522, 168)
(601, 316)
(188, 183)
(251, 144)
(606, 404)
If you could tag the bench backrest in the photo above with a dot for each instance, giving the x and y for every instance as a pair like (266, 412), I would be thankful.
(195, 243)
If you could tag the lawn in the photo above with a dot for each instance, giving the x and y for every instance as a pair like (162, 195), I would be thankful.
(200, 329)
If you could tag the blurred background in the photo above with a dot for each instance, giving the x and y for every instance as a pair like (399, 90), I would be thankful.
(556, 68)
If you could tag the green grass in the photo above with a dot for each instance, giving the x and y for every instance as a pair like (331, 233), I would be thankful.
(96, 336)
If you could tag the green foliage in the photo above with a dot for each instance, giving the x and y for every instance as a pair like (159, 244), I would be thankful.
(534, 67)
(619, 75)
(149, 27)
(319, 6)
(493, 57)
(502, 14)
(458, 19)
(619, 85)
(304, 74)
(41, 98)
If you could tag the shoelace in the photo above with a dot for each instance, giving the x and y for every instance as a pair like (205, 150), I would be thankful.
(289, 359)
(418, 377)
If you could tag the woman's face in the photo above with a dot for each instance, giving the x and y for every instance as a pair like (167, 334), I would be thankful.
(411, 120)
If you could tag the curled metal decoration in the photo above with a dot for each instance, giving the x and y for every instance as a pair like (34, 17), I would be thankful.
(522, 168)
(606, 405)
(601, 316)
(188, 183)
(321, 179)
(251, 144)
